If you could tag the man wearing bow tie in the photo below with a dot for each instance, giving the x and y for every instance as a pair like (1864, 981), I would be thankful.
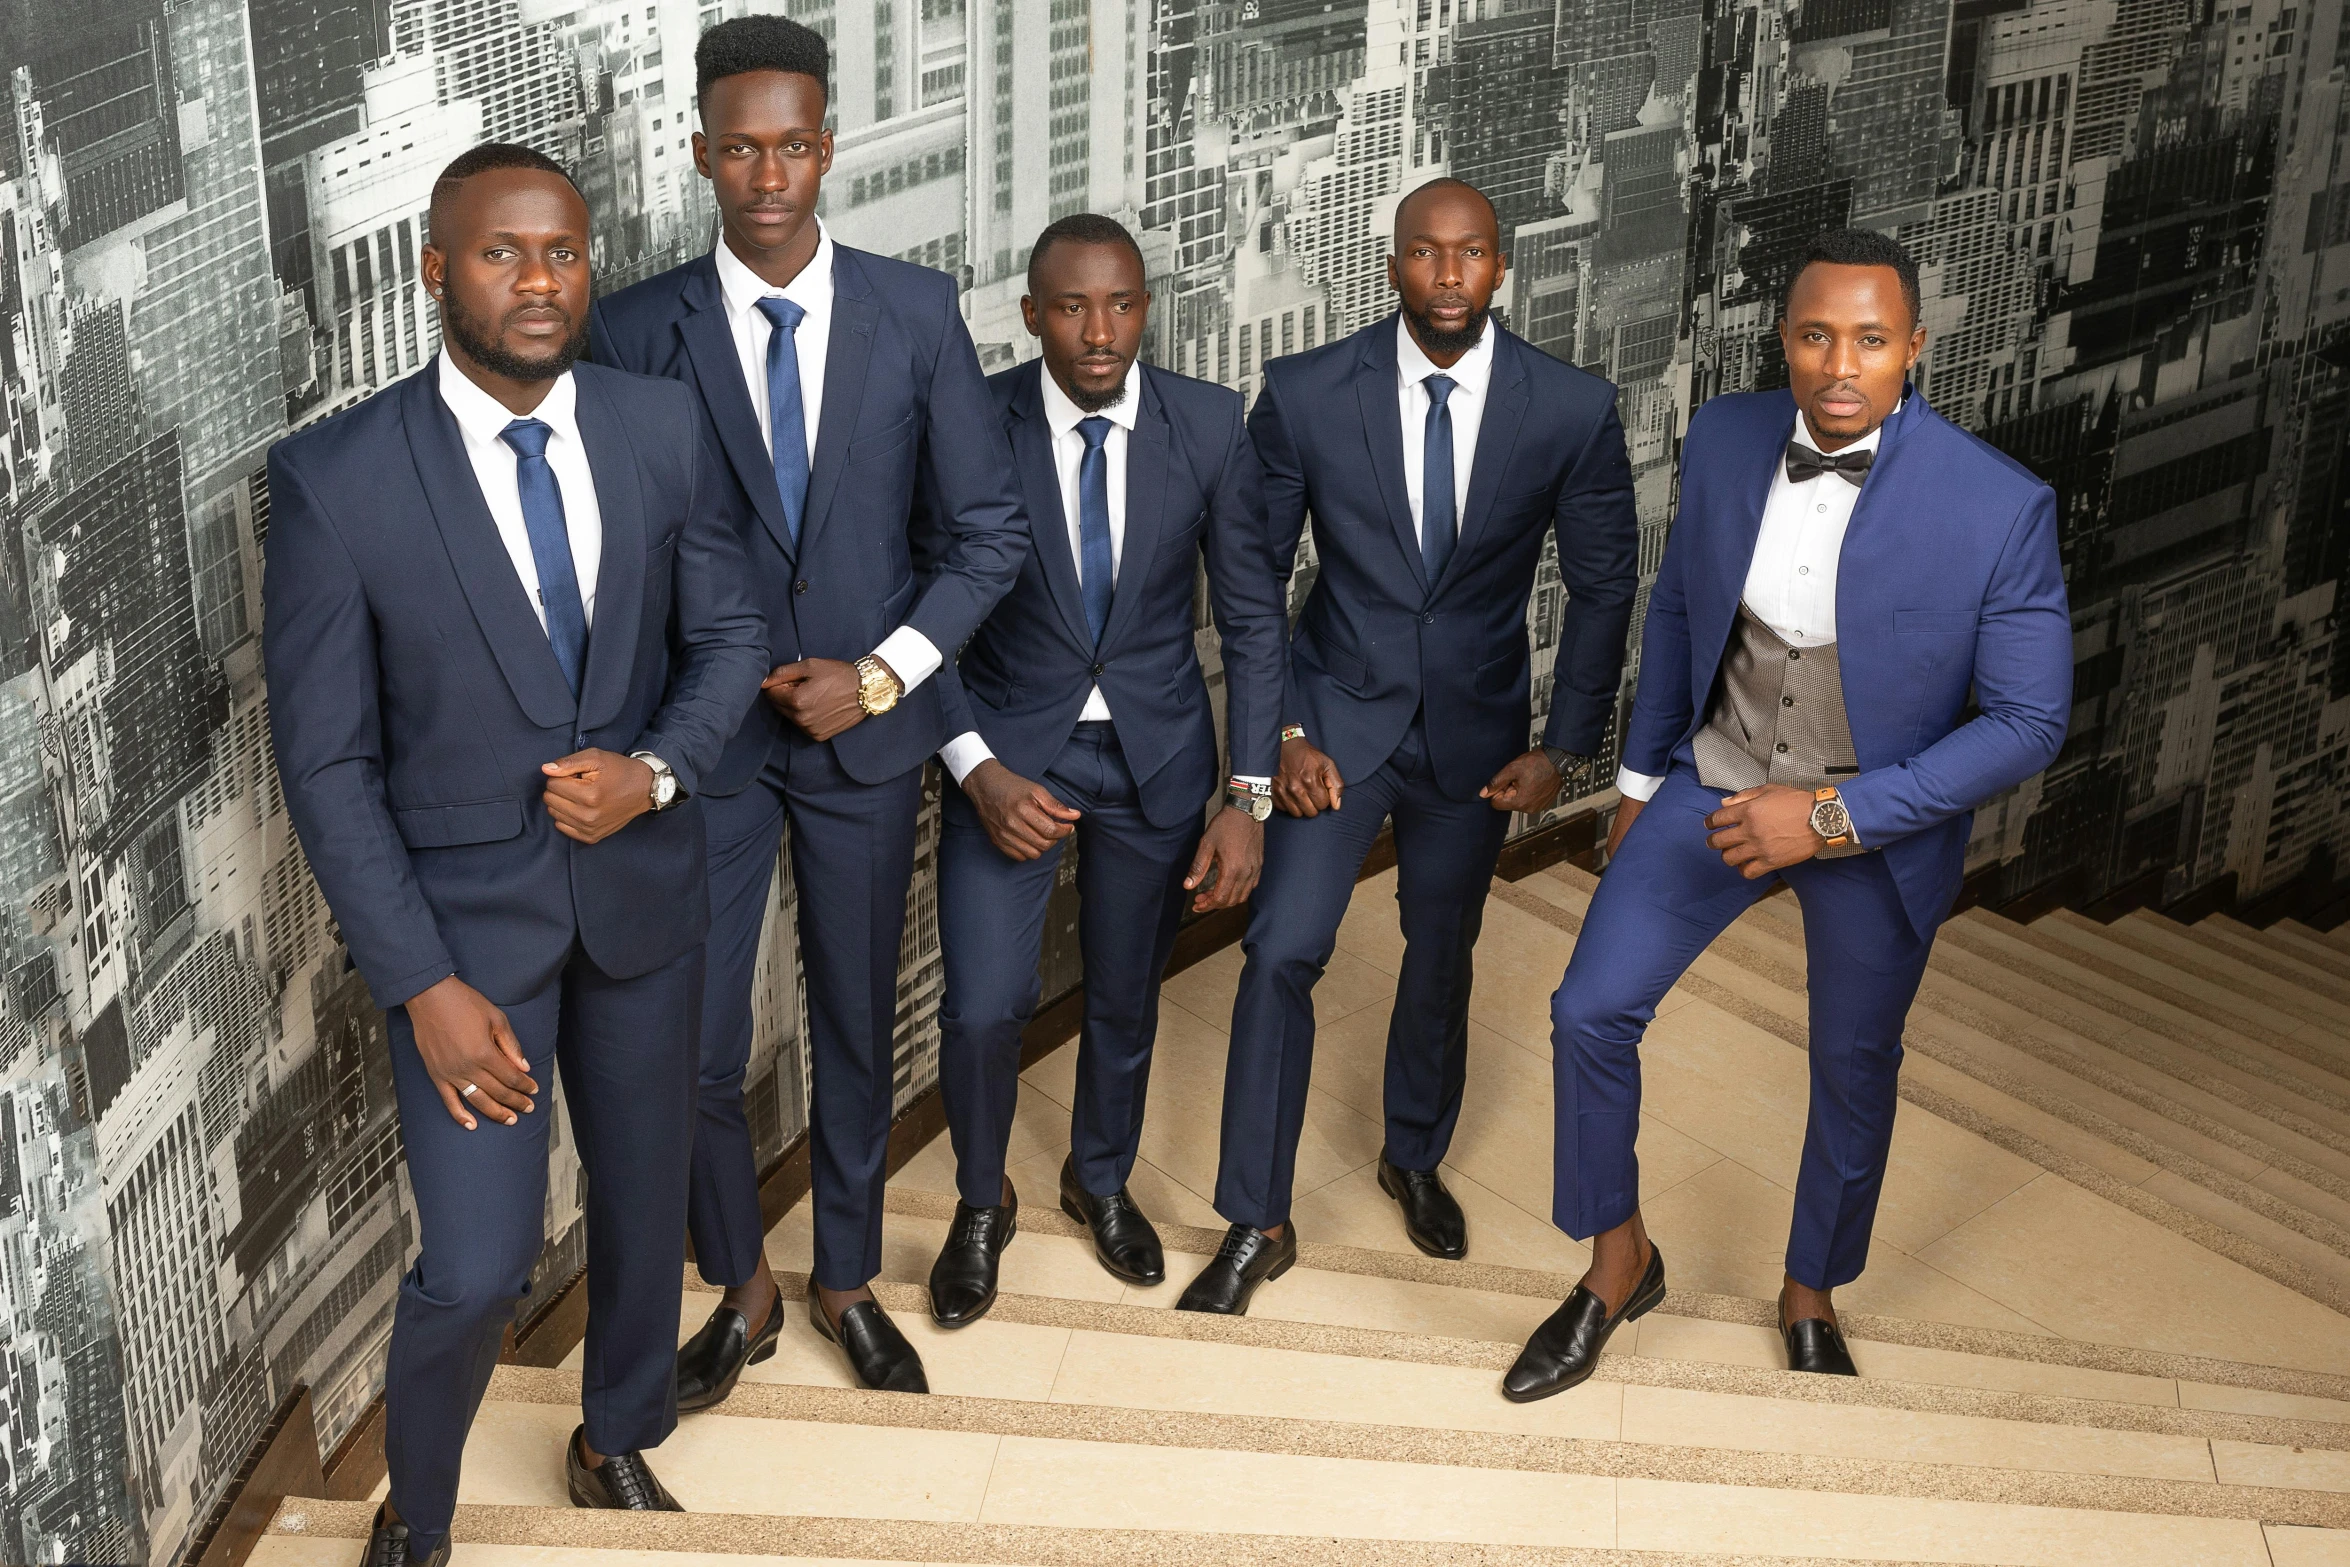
(1845, 567)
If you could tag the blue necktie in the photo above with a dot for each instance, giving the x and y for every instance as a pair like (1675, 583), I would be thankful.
(1439, 514)
(550, 546)
(787, 420)
(1094, 571)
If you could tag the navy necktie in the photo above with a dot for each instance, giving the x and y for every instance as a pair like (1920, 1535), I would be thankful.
(1094, 571)
(550, 546)
(787, 419)
(1439, 511)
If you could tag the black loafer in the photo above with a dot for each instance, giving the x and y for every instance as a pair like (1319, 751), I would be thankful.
(1816, 1344)
(1564, 1351)
(878, 1353)
(1123, 1240)
(390, 1545)
(712, 1361)
(1431, 1218)
(623, 1482)
(1249, 1257)
(963, 1280)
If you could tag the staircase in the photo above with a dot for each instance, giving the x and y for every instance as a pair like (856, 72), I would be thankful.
(2106, 1321)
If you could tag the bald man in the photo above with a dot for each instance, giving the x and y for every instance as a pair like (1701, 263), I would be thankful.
(1435, 451)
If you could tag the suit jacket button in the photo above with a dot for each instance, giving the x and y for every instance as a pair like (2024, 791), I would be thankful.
(1098, 668)
(1427, 620)
(800, 586)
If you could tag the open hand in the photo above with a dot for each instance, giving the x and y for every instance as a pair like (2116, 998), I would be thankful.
(818, 694)
(1231, 856)
(470, 1051)
(1307, 783)
(1758, 831)
(592, 794)
(1526, 783)
(1022, 817)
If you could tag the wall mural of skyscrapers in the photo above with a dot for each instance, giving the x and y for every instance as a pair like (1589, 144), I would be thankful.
(2135, 220)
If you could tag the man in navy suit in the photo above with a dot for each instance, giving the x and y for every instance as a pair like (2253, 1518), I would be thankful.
(832, 380)
(1080, 712)
(1846, 567)
(1435, 451)
(506, 640)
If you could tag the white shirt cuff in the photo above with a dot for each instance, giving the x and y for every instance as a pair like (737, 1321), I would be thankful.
(1637, 786)
(909, 655)
(964, 752)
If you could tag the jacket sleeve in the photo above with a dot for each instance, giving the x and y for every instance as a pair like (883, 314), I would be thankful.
(2024, 690)
(1281, 472)
(318, 647)
(717, 637)
(1246, 594)
(981, 527)
(1598, 533)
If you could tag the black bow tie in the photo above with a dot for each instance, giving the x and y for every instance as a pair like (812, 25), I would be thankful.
(1804, 464)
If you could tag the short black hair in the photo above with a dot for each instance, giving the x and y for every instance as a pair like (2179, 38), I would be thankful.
(761, 43)
(480, 160)
(1863, 248)
(1082, 228)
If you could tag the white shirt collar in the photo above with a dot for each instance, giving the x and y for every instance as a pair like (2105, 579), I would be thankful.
(1470, 373)
(484, 419)
(1867, 443)
(1063, 415)
(742, 289)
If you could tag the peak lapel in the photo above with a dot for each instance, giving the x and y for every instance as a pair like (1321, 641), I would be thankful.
(718, 376)
(620, 576)
(484, 570)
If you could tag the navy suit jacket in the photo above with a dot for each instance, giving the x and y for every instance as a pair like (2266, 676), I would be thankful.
(903, 397)
(413, 694)
(1948, 579)
(1192, 488)
(1376, 640)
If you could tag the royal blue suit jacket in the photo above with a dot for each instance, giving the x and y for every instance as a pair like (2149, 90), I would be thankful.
(1377, 640)
(904, 400)
(1949, 580)
(1192, 489)
(413, 694)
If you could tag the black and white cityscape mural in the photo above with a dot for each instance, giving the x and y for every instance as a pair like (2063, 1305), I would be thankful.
(2135, 222)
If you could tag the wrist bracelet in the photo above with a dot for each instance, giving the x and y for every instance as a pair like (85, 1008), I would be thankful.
(1291, 732)
(1249, 786)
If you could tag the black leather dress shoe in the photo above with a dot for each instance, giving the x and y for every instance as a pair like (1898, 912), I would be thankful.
(1816, 1344)
(962, 1281)
(390, 1545)
(1564, 1351)
(1123, 1239)
(1431, 1219)
(878, 1353)
(712, 1361)
(623, 1482)
(1248, 1258)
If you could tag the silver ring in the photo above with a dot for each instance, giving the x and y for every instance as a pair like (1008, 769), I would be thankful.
(469, 1090)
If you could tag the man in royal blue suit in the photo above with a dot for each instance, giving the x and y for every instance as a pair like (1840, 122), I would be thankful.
(1435, 451)
(1080, 711)
(1848, 573)
(833, 380)
(507, 640)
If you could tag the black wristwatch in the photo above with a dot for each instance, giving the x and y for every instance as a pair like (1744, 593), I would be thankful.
(1566, 761)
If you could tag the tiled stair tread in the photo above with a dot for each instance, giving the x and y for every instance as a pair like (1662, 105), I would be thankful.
(2185, 981)
(2307, 996)
(304, 1548)
(2251, 952)
(709, 1539)
(2326, 948)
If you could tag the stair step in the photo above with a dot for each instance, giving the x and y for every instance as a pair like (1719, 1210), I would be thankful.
(2315, 999)
(2253, 949)
(2327, 948)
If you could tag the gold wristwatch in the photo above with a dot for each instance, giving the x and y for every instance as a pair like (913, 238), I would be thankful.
(877, 689)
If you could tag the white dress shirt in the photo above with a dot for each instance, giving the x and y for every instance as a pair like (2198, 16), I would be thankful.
(1791, 582)
(1472, 379)
(906, 651)
(481, 421)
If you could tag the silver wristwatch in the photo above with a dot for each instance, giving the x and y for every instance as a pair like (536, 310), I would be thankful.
(665, 790)
(1254, 800)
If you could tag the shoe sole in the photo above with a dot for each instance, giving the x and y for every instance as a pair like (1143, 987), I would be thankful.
(1414, 1236)
(1634, 1310)
(1140, 1280)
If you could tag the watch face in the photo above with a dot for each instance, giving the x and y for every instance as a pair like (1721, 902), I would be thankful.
(1829, 820)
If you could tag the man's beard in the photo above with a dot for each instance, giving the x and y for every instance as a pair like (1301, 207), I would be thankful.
(1435, 340)
(1097, 402)
(494, 356)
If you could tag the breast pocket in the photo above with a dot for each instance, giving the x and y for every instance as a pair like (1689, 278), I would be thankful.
(882, 442)
(1934, 622)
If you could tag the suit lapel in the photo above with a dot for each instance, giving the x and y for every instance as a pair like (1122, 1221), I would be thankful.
(484, 570)
(1147, 460)
(1040, 485)
(1878, 482)
(1383, 431)
(620, 576)
(1497, 438)
(718, 375)
(848, 354)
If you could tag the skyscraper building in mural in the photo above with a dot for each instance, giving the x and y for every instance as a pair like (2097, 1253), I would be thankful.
(2134, 221)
